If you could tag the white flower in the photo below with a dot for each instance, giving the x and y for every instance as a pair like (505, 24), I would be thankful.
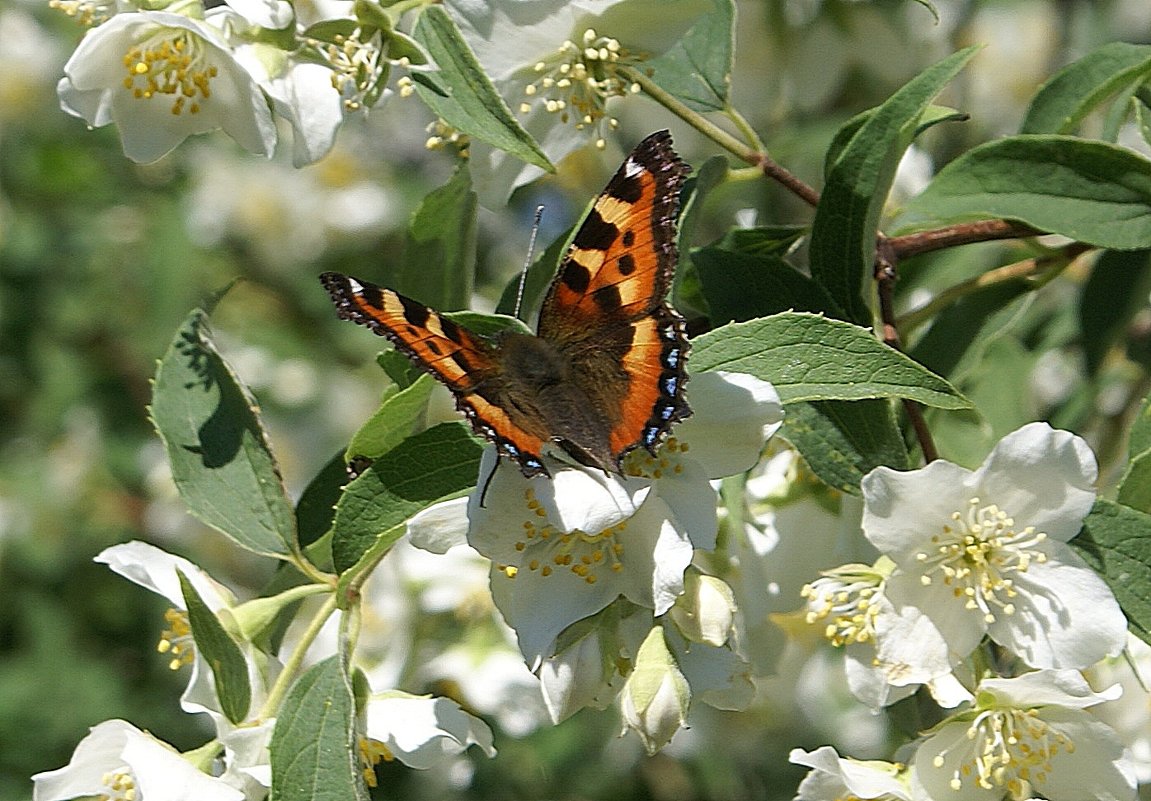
(558, 63)
(832, 776)
(117, 760)
(984, 552)
(421, 731)
(567, 547)
(161, 77)
(156, 570)
(1027, 735)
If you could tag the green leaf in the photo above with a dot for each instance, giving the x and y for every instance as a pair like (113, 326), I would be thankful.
(223, 655)
(473, 105)
(1115, 292)
(431, 466)
(1115, 543)
(1073, 92)
(399, 367)
(686, 292)
(314, 752)
(966, 437)
(933, 115)
(843, 440)
(438, 268)
(220, 458)
(809, 357)
(396, 418)
(1139, 440)
(1093, 192)
(1135, 489)
(317, 504)
(960, 326)
(697, 69)
(847, 220)
(740, 287)
(764, 240)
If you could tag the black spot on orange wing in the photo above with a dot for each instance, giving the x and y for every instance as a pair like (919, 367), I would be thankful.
(627, 242)
(596, 233)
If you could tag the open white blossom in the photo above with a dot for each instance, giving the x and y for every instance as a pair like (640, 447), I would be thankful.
(984, 553)
(558, 64)
(117, 760)
(1025, 736)
(162, 77)
(567, 547)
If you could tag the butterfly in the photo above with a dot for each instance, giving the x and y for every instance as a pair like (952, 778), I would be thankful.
(605, 372)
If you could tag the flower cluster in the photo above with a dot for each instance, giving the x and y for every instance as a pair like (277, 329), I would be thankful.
(977, 597)
(164, 71)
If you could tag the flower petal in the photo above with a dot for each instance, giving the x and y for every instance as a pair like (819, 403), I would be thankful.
(1065, 615)
(733, 414)
(1042, 477)
(904, 509)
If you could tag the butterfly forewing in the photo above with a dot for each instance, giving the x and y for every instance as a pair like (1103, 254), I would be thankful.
(606, 309)
(469, 365)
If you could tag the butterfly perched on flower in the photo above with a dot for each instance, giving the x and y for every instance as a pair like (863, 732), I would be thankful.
(605, 372)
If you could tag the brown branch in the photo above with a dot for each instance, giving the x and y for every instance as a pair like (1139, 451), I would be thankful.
(787, 179)
(959, 234)
(885, 275)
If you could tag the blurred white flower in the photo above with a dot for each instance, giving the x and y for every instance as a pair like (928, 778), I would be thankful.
(117, 760)
(833, 776)
(421, 731)
(161, 77)
(984, 552)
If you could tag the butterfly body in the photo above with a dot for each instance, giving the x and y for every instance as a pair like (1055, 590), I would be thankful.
(605, 372)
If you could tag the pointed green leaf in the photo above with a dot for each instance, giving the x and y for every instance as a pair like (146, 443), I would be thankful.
(396, 418)
(843, 440)
(1093, 192)
(472, 105)
(1116, 290)
(847, 220)
(317, 504)
(1077, 89)
(1135, 490)
(438, 268)
(738, 286)
(431, 466)
(809, 357)
(1115, 543)
(686, 292)
(1140, 437)
(697, 69)
(219, 454)
(315, 756)
(220, 651)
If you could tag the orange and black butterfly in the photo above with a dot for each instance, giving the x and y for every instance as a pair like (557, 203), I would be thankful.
(605, 372)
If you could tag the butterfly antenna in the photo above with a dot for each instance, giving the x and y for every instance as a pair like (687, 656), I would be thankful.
(528, 261)
(488, 480)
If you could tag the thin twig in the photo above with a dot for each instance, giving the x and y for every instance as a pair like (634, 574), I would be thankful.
(885, 275)
(960, 234)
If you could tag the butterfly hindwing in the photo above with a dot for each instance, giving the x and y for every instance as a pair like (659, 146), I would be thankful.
(467, 364)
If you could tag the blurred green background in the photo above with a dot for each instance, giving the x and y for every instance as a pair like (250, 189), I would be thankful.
(101, 259)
